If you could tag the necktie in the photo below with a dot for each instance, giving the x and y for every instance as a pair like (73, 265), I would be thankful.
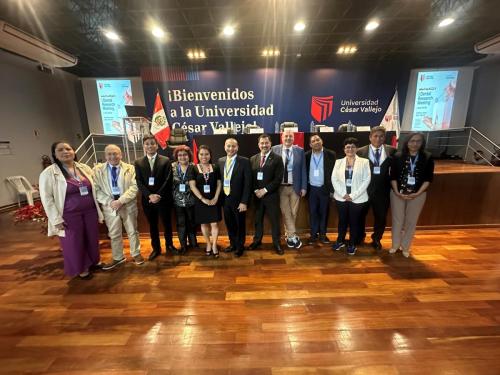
(227, 189)
(287, 160)
(262, 160)
(377, 156)
(114, 180)
(151, 163)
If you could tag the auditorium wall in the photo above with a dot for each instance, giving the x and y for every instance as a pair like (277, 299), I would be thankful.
(484, 107)
(36, 108)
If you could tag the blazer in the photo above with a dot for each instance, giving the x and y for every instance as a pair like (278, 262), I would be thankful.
(53, 187)
(162, 172)
(329, 158)
(379, 183)
(299, 172)
(273, 174)
(241, 181)
(360, 180)
(126, 183)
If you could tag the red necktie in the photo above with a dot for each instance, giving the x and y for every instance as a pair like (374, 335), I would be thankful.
(262, 160)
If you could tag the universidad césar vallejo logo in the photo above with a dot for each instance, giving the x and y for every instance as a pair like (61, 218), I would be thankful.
(321, 107)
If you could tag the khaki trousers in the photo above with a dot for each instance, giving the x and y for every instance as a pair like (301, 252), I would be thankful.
(405, 215)
(289, 204)
(115, 220)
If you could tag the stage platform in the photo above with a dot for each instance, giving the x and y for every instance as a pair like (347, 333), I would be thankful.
(463, 195)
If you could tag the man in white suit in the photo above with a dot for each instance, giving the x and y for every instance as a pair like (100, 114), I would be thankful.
(116, 190)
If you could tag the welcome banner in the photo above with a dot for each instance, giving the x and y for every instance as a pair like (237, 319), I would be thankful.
(201, 101)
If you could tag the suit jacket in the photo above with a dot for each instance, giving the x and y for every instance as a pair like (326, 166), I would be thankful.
(329, 158)
(299, 166)
(360, 180)
(241, 181)
(273, 174)
(379, 183)
(126, 183)
(53, 185)
(162, 172)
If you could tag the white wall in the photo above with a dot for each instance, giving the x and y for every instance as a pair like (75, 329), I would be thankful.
(484, 107)
(31, 100)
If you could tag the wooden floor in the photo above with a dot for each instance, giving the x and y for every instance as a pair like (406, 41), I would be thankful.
(308, 312)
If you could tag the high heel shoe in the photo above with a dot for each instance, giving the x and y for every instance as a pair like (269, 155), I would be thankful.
(208, 252)
(216, 254)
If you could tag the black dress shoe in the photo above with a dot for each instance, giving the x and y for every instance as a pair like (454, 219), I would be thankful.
(172, 249)
(239, 252)
(312, 240)
(183, 250)
(255, 245)
(154, 254)
(377, 245)
(279, 250)
(324, 240)
(229, 249)
(193, 242)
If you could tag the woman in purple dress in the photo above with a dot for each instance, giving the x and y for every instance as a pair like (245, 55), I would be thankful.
(68, 197)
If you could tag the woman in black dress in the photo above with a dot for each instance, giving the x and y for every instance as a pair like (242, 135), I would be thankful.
(205, 183)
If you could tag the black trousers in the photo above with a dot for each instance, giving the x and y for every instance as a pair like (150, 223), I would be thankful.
(185, 223)
(380, 203)
(153, 212)
(350, 214)
(271, 207)
(319, 205)
(235, 224)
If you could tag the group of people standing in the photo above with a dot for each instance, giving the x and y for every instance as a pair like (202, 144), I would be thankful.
(76, 197)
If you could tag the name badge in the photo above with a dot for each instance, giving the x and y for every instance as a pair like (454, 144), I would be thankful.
(206, 188)
(316, 173)
(411, 180)
(115, 190)
(83, 190)
(182, 188)
(348, 182)
(260, 176)
(376, 170)
(289, 167)
(227, 183)
(151, 181)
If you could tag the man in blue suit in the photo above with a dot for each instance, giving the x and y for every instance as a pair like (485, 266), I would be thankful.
(293, 186)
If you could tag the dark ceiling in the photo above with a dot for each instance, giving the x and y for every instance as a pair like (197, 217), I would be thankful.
(407, 34)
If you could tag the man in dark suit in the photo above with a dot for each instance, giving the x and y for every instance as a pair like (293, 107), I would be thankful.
(267, 174)
(319, 186)
(380, 156)
(154, 179)
(236, 192)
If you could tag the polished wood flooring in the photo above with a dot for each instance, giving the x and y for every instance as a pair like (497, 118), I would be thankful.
(311, 311)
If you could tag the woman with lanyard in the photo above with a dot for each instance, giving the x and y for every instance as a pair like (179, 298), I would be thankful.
(183, 197)
(205, 183)
(350, 179)
(68, 197)
(412, 171)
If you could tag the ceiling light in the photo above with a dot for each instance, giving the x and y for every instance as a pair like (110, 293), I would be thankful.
(372, 25)
(196, 54)
(264, 52)
(299, 26)
(269, 52)
(347, 50)
(157, 32)
(111, 35)
(340, 50)
(445, 22)
(228, 30)
(299, 55)
(190, 55)
(276, 52)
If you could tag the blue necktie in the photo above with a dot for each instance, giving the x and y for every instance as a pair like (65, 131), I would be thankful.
(114, 180)
(377, 156)
(287, 160)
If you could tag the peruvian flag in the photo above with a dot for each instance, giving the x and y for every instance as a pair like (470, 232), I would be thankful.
(159, 124)
(391, 119)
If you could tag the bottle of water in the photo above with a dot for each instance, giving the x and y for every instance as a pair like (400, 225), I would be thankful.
(203, 132)
(276, 127)
(311, 127)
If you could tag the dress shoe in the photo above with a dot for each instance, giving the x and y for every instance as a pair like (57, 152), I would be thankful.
(154, 254)
(172, 249)
(377, 245)
(312, 240)
(324, 240)
(279, 250)
(193, 242)
(229, 249)
(239, 252)
(183, 250)
(255, 245)
(85, 275)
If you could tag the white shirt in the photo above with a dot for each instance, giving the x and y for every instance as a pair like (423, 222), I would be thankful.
(151, 160)
(290, 162)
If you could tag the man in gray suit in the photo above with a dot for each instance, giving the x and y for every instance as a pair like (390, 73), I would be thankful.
(293, 186)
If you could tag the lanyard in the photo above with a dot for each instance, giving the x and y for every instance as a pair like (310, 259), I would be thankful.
(74, 175)
(413, 165)
(316, 163)
(206, 176)
(227, 172)
(349, 172)
(182, 175)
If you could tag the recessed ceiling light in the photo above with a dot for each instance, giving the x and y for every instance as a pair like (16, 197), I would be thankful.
(269, 52)
(299, 55)
(372, 25)
(228, 30)
(157, 32)
(111, 35)
(446, 21)
(299, 26)
(347, 50)
(340, 50)
(196, 54)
